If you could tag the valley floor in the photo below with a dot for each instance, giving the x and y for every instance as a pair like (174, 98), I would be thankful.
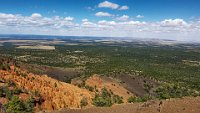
(183, 105)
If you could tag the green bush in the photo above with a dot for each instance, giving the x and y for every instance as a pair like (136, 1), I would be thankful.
(1, 92)
(5, 66)
(24, 75)
(103, 99)
(29, 105)
(117, 99)
(15, 105)
(132, 99)
(9, 94)
(167, 91)
(11, 83)
(105, 93)
(106, 98)
(89, 88)
(17, 91)
(84, 102)
(102, 102)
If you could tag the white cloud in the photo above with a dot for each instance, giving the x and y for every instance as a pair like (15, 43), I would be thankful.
(88, 24)
(36, 15)
(34, 24)
(6, 16)
(35, 20)
(139, 16)
(123, 18)
(69, 18)
(84, 20)
(104, 22)
(173, 23)
(107, 4)
(124, 7)
(103, 14)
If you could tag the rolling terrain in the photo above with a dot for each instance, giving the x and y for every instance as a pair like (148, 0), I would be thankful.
(65, 74)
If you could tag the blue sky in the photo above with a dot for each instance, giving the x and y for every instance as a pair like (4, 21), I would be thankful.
(173, 19)
(154, 10)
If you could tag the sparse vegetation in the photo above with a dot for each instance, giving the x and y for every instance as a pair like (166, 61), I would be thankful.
(106, 98)
(15, 105)
(84, 102)
(117, 99)
(89, 88)
(167, 91)
(134, 99)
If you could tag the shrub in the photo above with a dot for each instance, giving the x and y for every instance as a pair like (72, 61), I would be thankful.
(132, 99)
(117, 99)
(105, 93)
(9, 94)
(36, 93)
(1, 92)
(89, 88)
(103, 99)
(29, 105)
(106, 98)
(4, 66)
(167, 91)
(24, 74)
(17, 91)
(15, 105)
(11, 83)
(102, 102)
(84, 102)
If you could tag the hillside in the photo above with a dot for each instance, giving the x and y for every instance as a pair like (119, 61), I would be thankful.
(48, 94)
(51, 94)
(21, 90)
(181, 105)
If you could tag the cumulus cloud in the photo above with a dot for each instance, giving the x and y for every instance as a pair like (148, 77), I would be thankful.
(107, 4)
(6, 16)
(84, 20)
(111, 5)
(139, 16)
(123, 18)
(35, 20)
(103, 14)
(38, 24)
(173, 23)
(36, 15)
(69, 18)
(124, 7)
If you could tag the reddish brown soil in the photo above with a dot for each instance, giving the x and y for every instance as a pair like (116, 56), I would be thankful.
(56, 94)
